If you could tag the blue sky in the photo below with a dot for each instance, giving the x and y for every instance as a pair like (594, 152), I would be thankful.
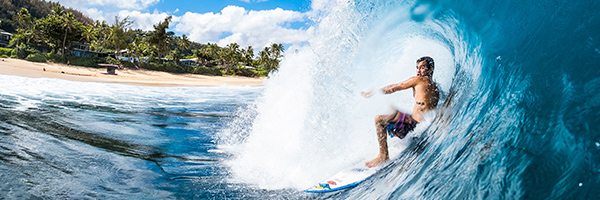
(203, 6)
(256, 23)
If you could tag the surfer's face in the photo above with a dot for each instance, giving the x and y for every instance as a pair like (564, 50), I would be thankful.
(423, 69)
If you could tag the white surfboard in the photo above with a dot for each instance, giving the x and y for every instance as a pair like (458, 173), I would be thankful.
(358, 173)
(345, 179)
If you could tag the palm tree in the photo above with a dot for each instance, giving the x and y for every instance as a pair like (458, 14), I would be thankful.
(139, 46)
(181, 44)
(264, 58)
(118, 35)
(89, 34)
(209, 54)
(248, 54)
(102, 36)
(232, 54)
(24, 20)
(59, 29)
(275, 53)
(276, 50)
(25, 28)
(184, 42)
(160, 38)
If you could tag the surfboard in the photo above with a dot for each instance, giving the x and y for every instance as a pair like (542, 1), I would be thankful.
(345, 179)
(359, 172)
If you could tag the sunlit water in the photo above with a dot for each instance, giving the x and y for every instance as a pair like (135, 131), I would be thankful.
(518, 118)
(63, 139)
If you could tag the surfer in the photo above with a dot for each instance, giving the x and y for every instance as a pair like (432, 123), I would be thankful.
(426, 95)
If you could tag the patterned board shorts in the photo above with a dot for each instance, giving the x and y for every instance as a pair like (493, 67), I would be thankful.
(402, 126)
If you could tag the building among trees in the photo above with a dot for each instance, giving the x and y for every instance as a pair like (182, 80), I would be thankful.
(61, 36)
(4, 38)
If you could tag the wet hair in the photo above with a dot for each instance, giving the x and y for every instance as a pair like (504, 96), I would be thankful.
(428, 61)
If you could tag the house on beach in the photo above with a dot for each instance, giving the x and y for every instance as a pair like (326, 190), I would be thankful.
(189, 62)
(83, 50)
(4, 38)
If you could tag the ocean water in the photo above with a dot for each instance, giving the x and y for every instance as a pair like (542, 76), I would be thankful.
(62, 139)
(518, 118)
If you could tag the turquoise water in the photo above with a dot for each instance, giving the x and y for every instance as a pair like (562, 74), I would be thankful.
(62, 139)
(518, 117)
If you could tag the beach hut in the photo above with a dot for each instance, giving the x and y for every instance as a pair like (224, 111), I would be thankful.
(82, 50)
(4, 38)
(189, 62)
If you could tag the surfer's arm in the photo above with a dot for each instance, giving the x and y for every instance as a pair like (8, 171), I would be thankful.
(411, 82)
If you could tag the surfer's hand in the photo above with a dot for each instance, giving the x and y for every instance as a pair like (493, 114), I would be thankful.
(388, 90)
(366, 94)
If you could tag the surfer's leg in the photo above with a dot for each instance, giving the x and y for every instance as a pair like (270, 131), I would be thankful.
(380, 123)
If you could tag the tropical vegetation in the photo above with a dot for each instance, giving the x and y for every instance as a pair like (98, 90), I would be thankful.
(64, 36)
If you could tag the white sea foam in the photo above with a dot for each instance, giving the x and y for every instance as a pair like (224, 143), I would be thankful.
(32, 90)
(311, 121)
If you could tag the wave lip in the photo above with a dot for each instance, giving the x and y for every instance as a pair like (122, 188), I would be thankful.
(311, 121)
(515, 122)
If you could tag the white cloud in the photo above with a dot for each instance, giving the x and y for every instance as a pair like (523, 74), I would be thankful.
(320, 4)
(120, 4)
(144, 21)
(106, 10)
(231, 24)
(256, 28)
(94, 14)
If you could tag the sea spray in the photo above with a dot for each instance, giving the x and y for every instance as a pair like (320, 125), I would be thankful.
(311, 121)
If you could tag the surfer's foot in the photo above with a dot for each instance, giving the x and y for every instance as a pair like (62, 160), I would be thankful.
(377, 161)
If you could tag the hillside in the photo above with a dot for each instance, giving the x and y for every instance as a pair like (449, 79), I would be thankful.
(37, 9)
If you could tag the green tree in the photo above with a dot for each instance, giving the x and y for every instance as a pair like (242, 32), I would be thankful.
(25, 32)
(101, 39)
(23, 19)
(232, 55)
(71, 29)
(59, 29)
(276, 52)
(248, 56)
(184, 44)
(37, 8)
(264, 58)
(139, 46)
(119, 35)
(179, 46)
(160, 38)
(270, 56)
(208, 54)
(89, 34)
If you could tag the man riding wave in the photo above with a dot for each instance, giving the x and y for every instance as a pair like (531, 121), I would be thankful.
(426, 95)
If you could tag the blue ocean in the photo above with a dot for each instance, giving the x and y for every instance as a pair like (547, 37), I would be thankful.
(518, 117)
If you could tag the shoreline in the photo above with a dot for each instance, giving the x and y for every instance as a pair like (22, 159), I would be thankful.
(18, 67)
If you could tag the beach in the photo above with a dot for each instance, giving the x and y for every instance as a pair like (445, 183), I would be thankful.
(25, 68)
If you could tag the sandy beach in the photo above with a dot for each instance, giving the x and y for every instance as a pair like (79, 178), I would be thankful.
(25, 68)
